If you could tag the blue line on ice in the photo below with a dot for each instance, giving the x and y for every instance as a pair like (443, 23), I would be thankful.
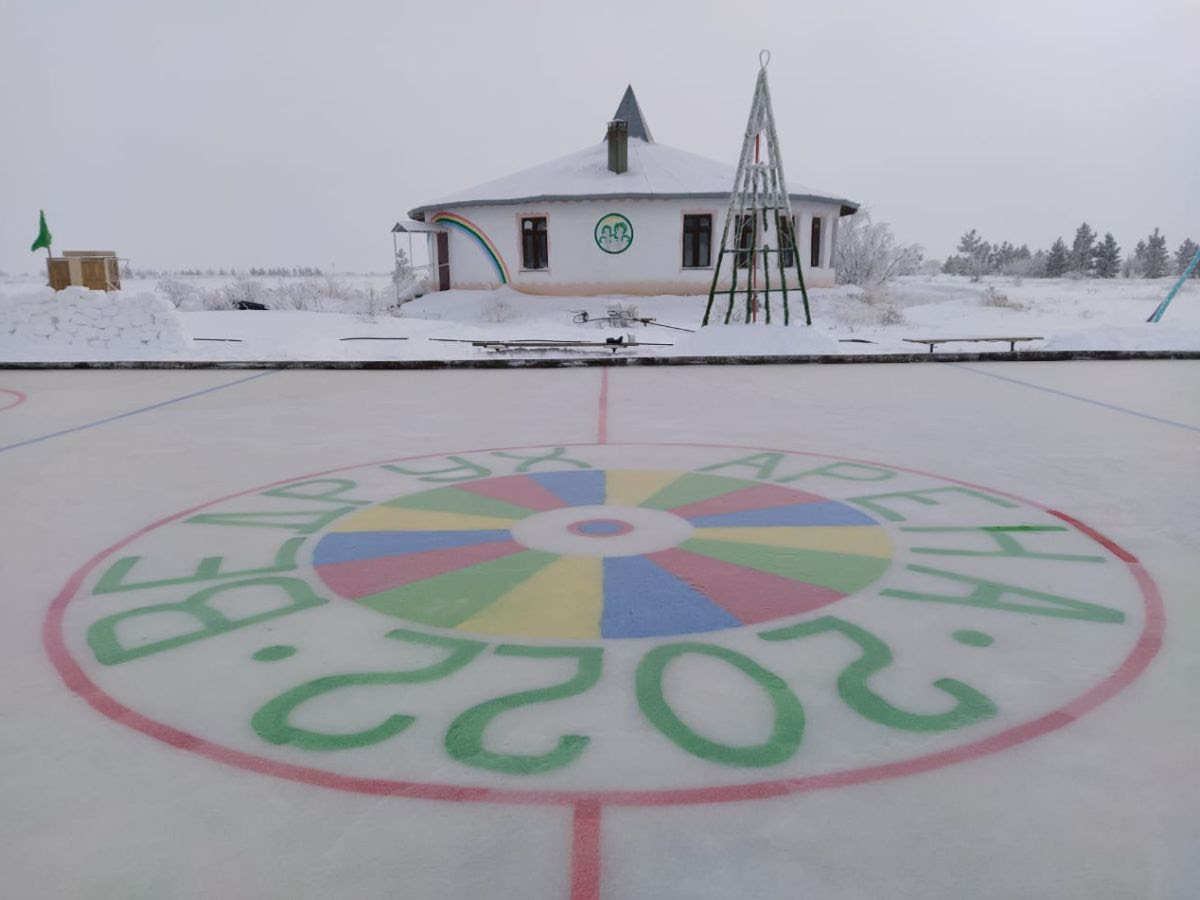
(134, 412)
(1049, 390)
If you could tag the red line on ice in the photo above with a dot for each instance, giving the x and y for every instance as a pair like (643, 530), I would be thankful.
(585, 851)
(20, 398)
(1120, 552)
(602, 423)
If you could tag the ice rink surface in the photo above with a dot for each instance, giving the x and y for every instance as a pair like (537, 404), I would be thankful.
(861, 631)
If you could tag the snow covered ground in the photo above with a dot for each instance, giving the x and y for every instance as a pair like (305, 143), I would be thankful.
(848, 632)
(1062, 314)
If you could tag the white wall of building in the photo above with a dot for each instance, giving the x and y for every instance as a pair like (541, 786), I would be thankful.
(652, 264)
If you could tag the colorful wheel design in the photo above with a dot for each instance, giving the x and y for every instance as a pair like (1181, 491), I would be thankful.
(595, 553)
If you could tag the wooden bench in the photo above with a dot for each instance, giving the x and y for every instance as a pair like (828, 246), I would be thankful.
(613, 344)
(933, 342)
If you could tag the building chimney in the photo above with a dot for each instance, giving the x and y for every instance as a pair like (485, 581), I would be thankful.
(618, 146)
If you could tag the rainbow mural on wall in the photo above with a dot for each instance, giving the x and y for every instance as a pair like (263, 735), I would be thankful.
(480, 236)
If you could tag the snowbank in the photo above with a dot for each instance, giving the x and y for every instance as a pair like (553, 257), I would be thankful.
(1146, 336)
(76, 322)
(1061, 313)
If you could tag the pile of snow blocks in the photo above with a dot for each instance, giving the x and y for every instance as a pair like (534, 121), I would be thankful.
(78, 317)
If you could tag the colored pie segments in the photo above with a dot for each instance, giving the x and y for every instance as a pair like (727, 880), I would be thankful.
(595, 553)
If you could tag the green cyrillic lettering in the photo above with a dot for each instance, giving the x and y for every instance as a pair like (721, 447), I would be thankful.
(102, 635)
(762, 464)
(844, 471)
(872, 503)
(1003, 536)
(208, 569)
(332, 494)
(554, 458)
(468, 469)
(987, 594)
(303, 522)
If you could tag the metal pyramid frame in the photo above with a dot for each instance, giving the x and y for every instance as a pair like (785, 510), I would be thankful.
(761, 213)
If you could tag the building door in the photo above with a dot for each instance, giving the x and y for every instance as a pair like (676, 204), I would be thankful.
(443, 261)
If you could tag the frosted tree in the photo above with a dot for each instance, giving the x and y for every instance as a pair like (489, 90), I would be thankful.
(1107, 257)
(970, 243)
(1136, 265)
(1082, 249)
(977, 254)
(954, 265)
(1184, 255)
(403, 277)
(867, 253)
(1001, 256)
(1037, 265)
(1153, 257)
(1058, 260)
(1015, 261)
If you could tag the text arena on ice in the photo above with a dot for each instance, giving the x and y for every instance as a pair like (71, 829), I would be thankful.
(498, 617)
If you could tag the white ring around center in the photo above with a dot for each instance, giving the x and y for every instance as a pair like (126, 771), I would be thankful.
(653, 530)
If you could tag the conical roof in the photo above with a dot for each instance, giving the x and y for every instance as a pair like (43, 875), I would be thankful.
(629, 111)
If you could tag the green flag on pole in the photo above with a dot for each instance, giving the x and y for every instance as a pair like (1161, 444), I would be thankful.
(43, 238)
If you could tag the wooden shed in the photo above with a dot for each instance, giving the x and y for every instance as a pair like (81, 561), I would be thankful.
(98, 270)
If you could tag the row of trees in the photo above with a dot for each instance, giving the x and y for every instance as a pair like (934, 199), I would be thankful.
(1088, 256)
(279, 271)
(327, 293)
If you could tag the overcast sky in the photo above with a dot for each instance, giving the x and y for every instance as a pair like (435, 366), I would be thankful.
(215, 134)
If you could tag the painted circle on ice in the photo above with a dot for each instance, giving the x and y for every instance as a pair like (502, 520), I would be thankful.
(10, 398)
(611, 553)
(966, 621)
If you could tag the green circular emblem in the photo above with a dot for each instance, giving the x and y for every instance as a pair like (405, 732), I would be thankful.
(614, 233)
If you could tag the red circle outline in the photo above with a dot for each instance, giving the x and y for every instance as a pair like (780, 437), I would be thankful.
(21, 398)
(577, 528)
(1139, 657)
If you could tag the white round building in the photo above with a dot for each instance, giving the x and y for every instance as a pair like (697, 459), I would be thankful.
(624, 216)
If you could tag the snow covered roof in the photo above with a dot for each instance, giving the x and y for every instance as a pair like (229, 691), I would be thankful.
(656, 171)
(416, 228)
